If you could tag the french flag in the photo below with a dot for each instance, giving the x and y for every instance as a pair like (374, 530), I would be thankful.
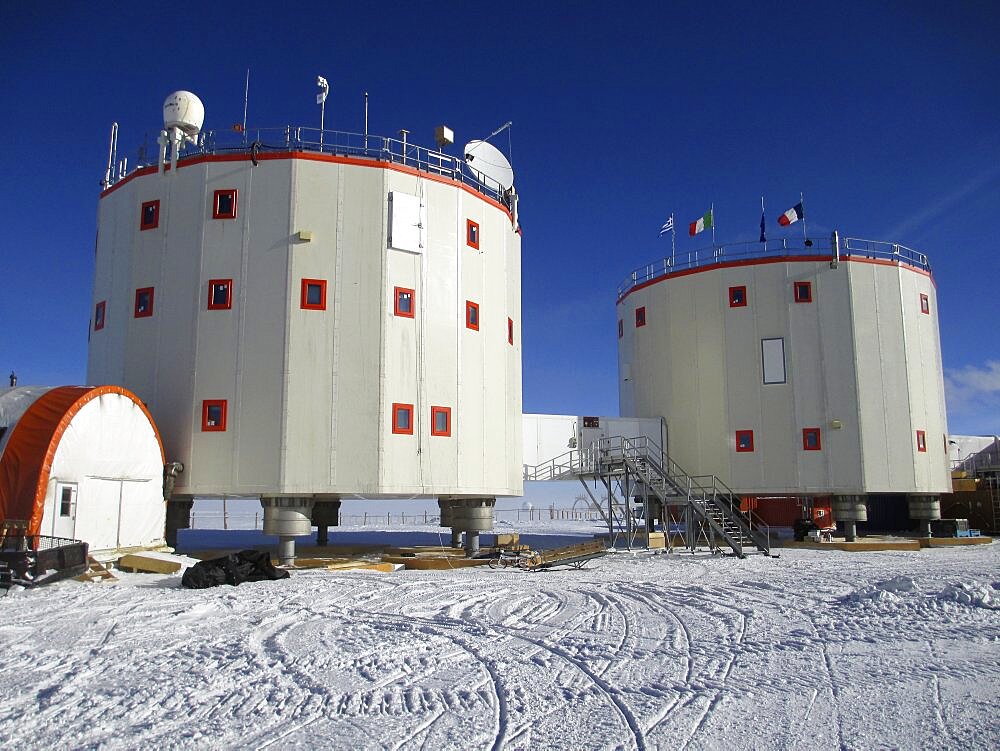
(791, 216)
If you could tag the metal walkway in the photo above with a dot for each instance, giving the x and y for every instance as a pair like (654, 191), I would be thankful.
(697, 511)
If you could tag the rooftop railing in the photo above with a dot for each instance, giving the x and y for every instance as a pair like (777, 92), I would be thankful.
(751, 251)
(255, 142)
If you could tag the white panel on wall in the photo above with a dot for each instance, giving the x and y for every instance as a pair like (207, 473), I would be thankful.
(405, 222)
(773, 357)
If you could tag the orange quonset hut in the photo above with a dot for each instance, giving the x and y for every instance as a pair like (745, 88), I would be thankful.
(82, 462)
(806, 369)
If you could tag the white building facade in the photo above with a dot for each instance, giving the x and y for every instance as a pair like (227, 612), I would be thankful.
(808, 371)
(314, 321)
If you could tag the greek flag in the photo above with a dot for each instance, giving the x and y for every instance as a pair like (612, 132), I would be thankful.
(668, 226)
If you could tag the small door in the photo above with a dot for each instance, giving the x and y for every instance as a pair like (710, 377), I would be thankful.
(591, 432)
(64, 516)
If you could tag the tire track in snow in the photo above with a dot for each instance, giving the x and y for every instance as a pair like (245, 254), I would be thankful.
(939, 711)
(643, 594)
(610, 692)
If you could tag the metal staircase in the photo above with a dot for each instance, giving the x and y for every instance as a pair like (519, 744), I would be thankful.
(700, 510)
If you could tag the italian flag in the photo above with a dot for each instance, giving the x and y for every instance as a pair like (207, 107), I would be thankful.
(701, 224)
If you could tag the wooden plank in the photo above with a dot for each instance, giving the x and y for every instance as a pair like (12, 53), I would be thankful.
(148, 564)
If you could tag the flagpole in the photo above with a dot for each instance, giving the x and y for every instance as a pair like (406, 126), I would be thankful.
(763, 237)
(713, 222)
(673, 240)
(802, 203)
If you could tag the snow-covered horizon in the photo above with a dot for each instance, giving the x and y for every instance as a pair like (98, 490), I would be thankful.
(816, 649)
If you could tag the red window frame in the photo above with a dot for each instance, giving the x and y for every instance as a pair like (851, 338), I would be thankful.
(151, 291)
(811, 433)
(217, 213)
(155, 221)
(470, 309)
(304, 301)
(100, 315)
(748, 447)
(228, 303)
(397, 294)
(640, 317)
(802, 291)
(922, 441)
(925, 304)
(397, 408)
(738, 296)
(472, 234)
(510, 331)
(446, 411)
(223, 406)
(621, 328)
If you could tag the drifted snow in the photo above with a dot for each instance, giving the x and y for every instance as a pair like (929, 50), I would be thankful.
(813, 650)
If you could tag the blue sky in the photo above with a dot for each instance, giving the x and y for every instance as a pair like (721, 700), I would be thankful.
(884, 114)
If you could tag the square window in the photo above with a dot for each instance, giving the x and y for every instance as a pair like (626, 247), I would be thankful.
(811, 440)
(403, 305)
(738, 297)
(213, 415)
(441, 421)
(149, 216)
(402, 418)
(313, 294)
(144, 302)
(220, 294)
(621, 328)
(224, 204)
(925, 305)
(99, 311)
(471, 315)
(472, 234)
(510, 331)
(803, 292)
(744, 441)
(640, 316)
(921, 441)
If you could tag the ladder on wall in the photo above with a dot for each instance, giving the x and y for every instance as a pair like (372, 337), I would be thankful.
(700, 510)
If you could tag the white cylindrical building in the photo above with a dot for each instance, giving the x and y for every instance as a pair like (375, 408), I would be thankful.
(312, 318)
(792, 371)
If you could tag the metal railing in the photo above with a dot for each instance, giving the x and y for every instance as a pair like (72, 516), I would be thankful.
(746, 251)
(261, 141)
(611, 456)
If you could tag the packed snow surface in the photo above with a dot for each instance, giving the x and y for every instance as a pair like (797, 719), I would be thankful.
(637, 650)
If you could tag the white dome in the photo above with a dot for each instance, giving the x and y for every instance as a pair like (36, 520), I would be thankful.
(183, 110)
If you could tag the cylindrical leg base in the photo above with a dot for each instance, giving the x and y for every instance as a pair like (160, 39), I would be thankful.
(849, 510)
(468, 515)
(924, 508)
(471, 544)
(286, 551)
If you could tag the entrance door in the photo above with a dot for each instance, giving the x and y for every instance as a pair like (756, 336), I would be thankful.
(590, 432)
(64, 516)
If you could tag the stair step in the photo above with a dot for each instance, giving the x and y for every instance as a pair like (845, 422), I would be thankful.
(96, 571)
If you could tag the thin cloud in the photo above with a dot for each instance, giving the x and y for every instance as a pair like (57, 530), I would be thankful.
(973, 394)
(942, 204)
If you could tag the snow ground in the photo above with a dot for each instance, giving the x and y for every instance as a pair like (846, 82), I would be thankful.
(814, 650)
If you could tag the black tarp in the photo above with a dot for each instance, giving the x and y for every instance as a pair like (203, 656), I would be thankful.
(236, 568)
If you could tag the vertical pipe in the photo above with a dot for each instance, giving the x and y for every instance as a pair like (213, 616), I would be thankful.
(112, 148)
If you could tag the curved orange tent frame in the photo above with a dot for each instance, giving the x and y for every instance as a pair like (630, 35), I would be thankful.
(27, 459)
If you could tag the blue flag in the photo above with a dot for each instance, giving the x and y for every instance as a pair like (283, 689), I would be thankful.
(763, 239)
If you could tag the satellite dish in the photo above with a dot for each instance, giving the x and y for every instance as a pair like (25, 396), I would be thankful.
(489, 163)
(184, 111)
